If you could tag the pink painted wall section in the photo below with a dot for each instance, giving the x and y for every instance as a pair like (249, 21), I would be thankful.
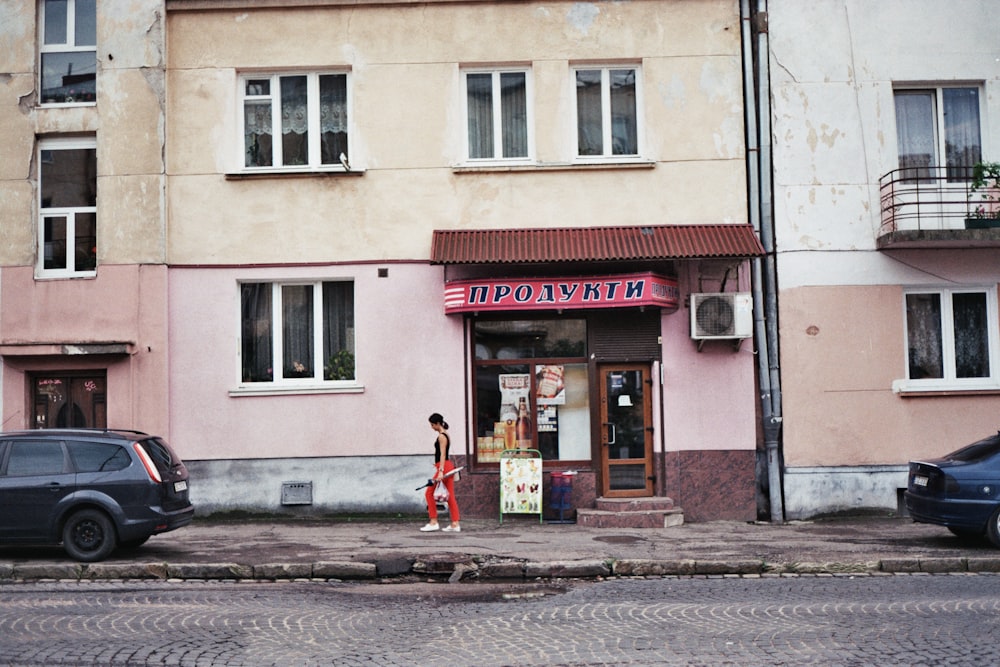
(838, 362)
(708, 396)
(410, 361)
(124, 304)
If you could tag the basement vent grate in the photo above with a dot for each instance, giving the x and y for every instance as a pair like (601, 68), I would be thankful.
(296, 493)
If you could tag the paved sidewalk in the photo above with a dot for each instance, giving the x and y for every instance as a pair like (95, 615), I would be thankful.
(518, 548)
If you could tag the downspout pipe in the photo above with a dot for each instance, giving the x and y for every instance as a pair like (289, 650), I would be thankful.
(763, 271)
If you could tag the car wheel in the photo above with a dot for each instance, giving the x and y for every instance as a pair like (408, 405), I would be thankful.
(134, 544)
(89, 536)
(993, 528)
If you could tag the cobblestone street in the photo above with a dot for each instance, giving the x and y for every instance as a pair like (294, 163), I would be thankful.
(770, 620)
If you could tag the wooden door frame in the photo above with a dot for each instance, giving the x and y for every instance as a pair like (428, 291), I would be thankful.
(601, 439)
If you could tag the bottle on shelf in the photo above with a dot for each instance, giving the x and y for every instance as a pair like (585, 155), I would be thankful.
(523, 426)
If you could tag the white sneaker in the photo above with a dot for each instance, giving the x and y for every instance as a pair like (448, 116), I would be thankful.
(431, 527)
(450, 529)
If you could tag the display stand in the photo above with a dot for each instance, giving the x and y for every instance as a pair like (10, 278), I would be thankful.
(521, 482)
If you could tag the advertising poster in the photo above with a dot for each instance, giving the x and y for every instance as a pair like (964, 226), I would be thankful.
(520, 486)
(549, 384)
(512, 387)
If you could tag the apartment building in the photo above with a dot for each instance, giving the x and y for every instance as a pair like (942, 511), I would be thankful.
(888, 260)
(489, 210)
(83, 276)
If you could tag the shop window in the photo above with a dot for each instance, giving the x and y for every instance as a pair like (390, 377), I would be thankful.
(68, 51)
(950, 336)
(68, 207)
(295, 121)
(532, 388)
(297, 332)
(607, 111)
(497, 106)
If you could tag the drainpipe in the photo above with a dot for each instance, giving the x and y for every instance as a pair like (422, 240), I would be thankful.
(763, 270)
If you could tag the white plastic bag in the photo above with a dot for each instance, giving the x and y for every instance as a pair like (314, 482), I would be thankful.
(440, 492)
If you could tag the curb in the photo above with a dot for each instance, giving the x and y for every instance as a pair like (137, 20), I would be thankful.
(455, 568)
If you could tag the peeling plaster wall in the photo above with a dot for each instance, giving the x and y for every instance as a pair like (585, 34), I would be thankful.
(126, 302)
(127, 120)
(841, 300)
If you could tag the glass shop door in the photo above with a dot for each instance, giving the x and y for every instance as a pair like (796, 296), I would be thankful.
(626, 430)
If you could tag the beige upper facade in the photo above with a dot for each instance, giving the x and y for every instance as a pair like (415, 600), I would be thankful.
(404, 66)
(127, 123)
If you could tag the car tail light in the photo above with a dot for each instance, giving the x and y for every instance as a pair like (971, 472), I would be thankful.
(151, 470)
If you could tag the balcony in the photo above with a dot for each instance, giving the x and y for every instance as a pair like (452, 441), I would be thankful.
(935, 207)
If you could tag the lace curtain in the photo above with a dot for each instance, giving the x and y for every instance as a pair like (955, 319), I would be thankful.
(294, 111)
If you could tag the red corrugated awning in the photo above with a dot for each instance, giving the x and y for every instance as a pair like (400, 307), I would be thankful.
(593, 244)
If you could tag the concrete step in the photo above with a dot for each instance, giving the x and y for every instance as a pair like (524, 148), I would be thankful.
(657, 512)
(634, 504)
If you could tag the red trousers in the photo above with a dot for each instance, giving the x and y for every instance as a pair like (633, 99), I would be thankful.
(449, 483)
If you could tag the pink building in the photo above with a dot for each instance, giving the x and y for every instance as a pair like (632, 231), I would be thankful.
(288, 239)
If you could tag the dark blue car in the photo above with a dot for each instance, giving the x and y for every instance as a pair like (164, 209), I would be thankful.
(960, 491)
(91, 490)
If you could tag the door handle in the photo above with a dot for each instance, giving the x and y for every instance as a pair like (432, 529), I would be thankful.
(612, 434)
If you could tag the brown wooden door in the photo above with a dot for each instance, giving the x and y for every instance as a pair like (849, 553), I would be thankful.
(626, 430)
(64, 400)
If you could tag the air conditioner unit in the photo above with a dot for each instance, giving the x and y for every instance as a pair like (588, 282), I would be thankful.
(725, 315)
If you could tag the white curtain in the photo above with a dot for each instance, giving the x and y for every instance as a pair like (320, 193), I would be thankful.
(915, 133)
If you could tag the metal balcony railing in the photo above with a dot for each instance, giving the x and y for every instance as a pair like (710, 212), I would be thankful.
(932, 198)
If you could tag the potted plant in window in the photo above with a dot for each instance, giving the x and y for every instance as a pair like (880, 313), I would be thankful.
(340, 366)
(984, 196)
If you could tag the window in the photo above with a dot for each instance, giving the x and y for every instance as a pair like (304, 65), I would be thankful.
(297, 332)
(532, 388)
(68, 207)
(950, 336)
(931, 123)
(41, 457)
(98, 456)
(607, 120)
(295, 120)
(68, 50)
(497, 108)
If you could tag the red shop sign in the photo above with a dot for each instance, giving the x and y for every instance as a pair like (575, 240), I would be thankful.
(616, 291)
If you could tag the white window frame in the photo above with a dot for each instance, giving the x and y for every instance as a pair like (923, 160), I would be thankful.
(69, 46)
(950, 382)
(278, 384)
(498, 157)
(70, 212)
(607, 142)
(939, 139)
(313, 110)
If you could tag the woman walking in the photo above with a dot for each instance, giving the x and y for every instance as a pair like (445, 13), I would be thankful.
(442, 466)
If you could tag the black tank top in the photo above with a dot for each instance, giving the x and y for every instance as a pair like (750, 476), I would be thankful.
(437, 449)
